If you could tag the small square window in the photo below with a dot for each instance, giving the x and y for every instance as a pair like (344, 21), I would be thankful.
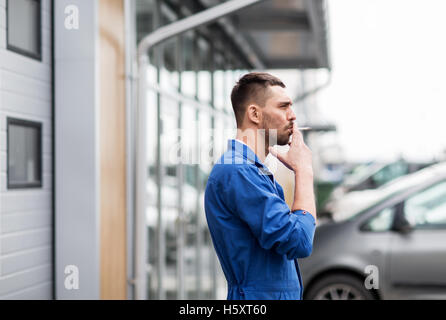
(24, 154)
(24, 27)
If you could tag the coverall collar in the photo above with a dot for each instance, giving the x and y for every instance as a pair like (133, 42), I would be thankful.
(247, 154)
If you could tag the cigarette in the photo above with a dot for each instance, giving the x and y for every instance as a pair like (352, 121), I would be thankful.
(304, 128)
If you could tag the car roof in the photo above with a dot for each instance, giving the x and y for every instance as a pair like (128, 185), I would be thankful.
(411, 180)
(431, 173)
(370, 198)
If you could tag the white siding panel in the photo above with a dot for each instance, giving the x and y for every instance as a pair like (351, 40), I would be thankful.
(47, 162)
(24, 260)
(23, 280)
(19, 84)
(24, 105)
(3, 162)
(46, 51)
(25, 240)
(40, 292)
(46, 39)
(22, 65)
(46, 20)
(22, 221)
(46, 145)
(26, 214)
(1, 92)
(46, 5)
(18, 200)
(2, 38)
(3, 141)
(47, 182)
(2, 18)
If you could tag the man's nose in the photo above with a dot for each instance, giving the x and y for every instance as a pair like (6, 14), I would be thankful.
(291, 115)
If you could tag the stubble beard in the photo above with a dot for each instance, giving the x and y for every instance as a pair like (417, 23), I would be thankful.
(277, 136)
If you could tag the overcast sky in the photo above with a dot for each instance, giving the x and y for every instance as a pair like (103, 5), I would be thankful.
(388, 91)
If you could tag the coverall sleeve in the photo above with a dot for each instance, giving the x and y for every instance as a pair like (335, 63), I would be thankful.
(268, 216)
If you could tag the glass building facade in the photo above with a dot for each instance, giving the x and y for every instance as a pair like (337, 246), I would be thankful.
(189, 114)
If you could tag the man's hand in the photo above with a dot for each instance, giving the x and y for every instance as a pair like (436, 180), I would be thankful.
(298, 158)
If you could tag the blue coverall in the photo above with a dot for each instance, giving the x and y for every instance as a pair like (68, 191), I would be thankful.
(256, 237)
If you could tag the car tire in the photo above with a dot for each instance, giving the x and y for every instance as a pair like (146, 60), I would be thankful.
(339, 287)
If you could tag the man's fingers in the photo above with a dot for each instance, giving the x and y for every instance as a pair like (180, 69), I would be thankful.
(275, 153)
(297, 135)
(294, 135)
(281, 157)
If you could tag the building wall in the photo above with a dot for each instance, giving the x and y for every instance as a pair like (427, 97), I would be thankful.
(113, 148)
(26, 214)
(90, 147)
(77, 150)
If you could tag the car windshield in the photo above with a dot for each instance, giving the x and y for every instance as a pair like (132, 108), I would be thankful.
(361, 172)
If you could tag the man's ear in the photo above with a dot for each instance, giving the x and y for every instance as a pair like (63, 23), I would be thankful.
(253, 113)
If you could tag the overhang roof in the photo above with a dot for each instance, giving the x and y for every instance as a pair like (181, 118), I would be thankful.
(274, 34)
(285, 33)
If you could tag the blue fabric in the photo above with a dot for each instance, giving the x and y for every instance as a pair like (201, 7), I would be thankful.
(256, 237)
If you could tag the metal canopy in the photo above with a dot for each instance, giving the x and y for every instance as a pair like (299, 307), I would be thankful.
(286, 33)
(273, 34)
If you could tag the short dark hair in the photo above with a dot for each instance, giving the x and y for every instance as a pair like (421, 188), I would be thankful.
(251, 88)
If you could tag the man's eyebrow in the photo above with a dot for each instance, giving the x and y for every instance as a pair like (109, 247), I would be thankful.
(282, 103)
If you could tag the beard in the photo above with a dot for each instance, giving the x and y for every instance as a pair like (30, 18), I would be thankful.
(273, 134)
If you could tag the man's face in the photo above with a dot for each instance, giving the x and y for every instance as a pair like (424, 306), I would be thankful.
(277, 116)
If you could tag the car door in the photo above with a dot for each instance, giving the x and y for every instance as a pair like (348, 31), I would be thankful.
(418, 255)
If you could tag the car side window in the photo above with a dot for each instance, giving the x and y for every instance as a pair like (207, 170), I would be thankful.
(390, 172)
(382, 221)
(427, 209)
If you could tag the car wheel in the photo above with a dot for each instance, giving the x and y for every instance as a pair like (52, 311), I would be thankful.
(339, 287)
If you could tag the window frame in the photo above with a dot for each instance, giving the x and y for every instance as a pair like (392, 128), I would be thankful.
(363, 225)
(12, 48)
(431, 226)
(29, 124)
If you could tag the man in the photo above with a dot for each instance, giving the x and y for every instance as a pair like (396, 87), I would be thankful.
(255, 234)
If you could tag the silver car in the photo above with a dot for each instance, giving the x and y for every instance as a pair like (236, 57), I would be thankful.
(392, 246)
